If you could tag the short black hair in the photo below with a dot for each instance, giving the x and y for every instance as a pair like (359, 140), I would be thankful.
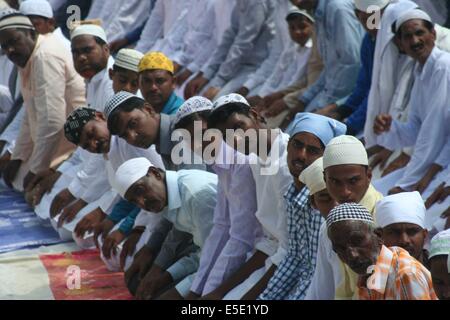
(225, 112)
(427, 24)
(126, 106)
(197, 116)
(116, 68)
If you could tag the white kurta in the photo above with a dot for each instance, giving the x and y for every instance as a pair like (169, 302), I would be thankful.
(291, 66)
(280, 41)
(427, 128)
(270, 188)
(383, 77)
(167, 19)
(327, 275)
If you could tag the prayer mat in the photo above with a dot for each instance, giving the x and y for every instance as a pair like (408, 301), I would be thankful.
(20, 227)
(59, 272)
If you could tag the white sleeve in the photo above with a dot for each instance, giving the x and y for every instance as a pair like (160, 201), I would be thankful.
(322, 283)
(154, 28)
(12, 130)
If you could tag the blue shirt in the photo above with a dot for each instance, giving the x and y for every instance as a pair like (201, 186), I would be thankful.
(191, 201)
(339, 36)
(295, 272)
(172, 105)
(358, 100)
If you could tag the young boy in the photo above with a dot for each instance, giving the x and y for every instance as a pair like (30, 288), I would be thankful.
(440, 264)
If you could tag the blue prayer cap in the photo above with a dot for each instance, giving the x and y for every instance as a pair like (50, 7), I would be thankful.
(322, 127)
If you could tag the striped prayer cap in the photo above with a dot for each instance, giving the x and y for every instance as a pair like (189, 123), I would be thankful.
(349, 212)
(75, 123)
(128, 59)
(13, 19)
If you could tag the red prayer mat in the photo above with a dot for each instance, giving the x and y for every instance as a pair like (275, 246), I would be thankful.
(82, 275)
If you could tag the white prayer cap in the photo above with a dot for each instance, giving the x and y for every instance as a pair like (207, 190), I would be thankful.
(89, 29)
(40, 8)
(365, 5)
(128, 59)
(129, 172)
(116, 100)
(344, 150)
(412, 15)
(223, 101)
(405, 207)
(13, 19)
(295, 11)
(312, 177)
(440, 245)
(192, 105)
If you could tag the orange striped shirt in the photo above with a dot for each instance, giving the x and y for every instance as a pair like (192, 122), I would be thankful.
(397, 276)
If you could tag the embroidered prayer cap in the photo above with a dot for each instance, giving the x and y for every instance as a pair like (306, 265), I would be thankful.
(411, 15)
(344, 150)
(13, 19)
(128, 59)
(192, 105)
(349, 212)
(405, 207)
(156, 60)
(40, 8)
(440, 245)
(116, 100)
(225, 100)
(322, 127)
(75, 123)
(312, 177)
(295, 11)
(130, 172)
(89, 29)
(367, 5)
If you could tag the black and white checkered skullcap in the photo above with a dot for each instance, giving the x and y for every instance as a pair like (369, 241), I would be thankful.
(75, 123)
(116, 100)
(349, 212)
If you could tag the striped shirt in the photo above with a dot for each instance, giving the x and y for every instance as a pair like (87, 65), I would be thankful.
(397, 276)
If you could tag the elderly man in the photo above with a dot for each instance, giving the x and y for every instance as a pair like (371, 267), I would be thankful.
(440, 264)
(157, 83)
(383, 273)
(51, 89)
(308, 138)
(339, 35)
(186, 198)
(401, 218)
(423, 124)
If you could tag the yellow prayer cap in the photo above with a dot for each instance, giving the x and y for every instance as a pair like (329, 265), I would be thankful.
(156, 61)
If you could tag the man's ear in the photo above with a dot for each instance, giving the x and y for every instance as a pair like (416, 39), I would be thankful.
(255, 115)
(379, 233)
(111, 73)
(369, 173)
(52, 21)
(149, 108)
(155, 172)
(100, 115)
